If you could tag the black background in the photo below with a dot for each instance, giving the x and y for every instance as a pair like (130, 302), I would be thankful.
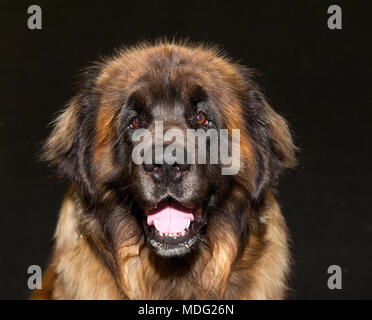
(319, 79)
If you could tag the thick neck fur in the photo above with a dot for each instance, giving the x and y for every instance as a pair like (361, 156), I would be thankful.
(79, 271)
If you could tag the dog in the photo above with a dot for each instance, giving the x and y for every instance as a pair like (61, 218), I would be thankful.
(168, 231)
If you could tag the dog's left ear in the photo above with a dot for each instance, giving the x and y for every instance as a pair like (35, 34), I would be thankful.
(281, 138)
(271, 136)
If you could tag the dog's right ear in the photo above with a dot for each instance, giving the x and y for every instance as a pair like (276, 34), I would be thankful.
(60, 148)
(69, 146)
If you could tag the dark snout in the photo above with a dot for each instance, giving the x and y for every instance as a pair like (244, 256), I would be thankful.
(169, 165)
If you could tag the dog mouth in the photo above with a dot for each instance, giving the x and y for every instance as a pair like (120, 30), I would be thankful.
(172, 228)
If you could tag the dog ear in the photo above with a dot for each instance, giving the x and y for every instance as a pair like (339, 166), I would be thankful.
(281, 138)
(69, 146)
(271, 136)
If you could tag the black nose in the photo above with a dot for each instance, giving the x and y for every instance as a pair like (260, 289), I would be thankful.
(167, 172)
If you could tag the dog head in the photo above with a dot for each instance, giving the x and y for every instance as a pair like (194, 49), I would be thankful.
(172, 205)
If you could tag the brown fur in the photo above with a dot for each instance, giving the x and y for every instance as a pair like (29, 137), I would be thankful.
(88, 264)
(259, 273)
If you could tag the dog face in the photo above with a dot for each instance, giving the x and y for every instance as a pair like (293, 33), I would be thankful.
(172, 198)
(171, 208)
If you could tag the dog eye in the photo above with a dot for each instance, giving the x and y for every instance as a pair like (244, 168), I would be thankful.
(201, 119)
(135, 123)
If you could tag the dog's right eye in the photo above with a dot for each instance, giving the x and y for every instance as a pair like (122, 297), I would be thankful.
(201, 119)
(135, 123)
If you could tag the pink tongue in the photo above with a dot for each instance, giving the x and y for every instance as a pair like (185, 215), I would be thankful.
(170, 220)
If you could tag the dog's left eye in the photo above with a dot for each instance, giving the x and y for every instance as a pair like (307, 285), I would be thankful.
(135, 123)
(201, 118)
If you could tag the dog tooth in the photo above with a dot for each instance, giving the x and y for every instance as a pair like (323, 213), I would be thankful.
(161, 234)
(183, 233)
